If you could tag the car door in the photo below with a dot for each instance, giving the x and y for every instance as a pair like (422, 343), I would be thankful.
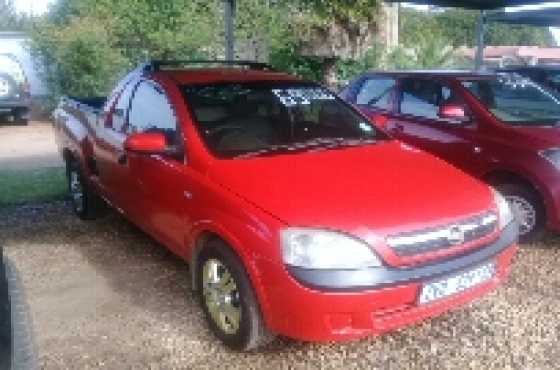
(418, 122)
(158, 181)
(375, 96)
(111, 174)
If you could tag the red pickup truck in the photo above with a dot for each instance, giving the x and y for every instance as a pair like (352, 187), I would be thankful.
(499, 127)
(296, 215)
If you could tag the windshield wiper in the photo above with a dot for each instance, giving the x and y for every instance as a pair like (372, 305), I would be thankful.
(318, 143)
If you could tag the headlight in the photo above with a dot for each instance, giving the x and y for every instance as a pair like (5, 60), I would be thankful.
(321, 249)
(552, 155)
(505, 216)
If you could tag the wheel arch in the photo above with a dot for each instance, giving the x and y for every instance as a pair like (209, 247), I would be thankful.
(510, 177)
(497, 177)
(201, 239)
(211, 231)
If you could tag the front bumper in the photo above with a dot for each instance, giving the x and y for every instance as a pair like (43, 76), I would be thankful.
(9, 105)
(347, 304)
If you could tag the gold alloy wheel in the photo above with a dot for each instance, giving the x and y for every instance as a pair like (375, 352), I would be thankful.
(221, 296)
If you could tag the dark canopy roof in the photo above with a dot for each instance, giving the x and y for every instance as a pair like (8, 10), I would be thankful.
(473, 4)
(547, 17)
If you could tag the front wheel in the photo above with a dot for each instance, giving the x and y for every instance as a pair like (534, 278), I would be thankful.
(228, 299)
(21, 116)
(527, 209)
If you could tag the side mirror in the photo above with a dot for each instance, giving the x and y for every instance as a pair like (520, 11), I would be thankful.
(146, 143)
(380, 120)
(453, 112)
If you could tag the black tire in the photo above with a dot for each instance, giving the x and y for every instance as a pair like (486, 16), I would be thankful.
(252, 331)
(89, 206)
(21, 345)
(21, 116)
(519, 192)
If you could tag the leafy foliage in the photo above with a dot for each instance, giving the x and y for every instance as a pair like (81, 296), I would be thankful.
(9, 19)
(458, 28)
(85, 45)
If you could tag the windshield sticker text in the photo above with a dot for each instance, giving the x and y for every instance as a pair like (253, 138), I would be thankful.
(294, 97)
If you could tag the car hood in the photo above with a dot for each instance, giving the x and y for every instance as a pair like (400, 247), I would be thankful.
(387, 187)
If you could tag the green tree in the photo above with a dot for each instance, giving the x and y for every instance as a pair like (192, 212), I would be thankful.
(458, 26)
(79, 59)
(331, 30)
(85, 45)
(10, 20)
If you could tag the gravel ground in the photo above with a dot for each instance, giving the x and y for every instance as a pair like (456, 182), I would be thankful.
(104, 295)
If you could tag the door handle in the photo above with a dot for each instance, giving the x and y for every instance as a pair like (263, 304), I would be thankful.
(122, 159)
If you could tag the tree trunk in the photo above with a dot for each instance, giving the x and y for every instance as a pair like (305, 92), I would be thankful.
(329, 72)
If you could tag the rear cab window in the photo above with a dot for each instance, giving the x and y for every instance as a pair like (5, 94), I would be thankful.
(120, 111)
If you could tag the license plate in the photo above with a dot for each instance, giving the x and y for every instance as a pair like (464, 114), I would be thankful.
(451, 285)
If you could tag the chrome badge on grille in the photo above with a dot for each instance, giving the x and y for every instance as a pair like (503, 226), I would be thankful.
(444, 236)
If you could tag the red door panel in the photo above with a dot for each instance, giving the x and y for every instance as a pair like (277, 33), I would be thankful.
(161, 195)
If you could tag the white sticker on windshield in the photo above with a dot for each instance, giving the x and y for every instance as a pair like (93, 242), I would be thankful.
(301, 96)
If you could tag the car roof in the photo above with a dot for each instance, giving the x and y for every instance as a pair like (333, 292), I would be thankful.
(215, 75)
(546, 67)
(437, 73)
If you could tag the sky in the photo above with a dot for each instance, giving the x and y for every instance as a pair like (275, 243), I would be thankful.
(37, 7)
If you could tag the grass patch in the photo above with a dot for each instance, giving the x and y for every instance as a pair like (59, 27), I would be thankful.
(32, 186)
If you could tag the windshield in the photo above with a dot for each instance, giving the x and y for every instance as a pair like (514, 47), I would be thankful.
(237, 119)
(517, 100)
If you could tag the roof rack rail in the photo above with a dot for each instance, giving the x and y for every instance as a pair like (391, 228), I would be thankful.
(156, 65)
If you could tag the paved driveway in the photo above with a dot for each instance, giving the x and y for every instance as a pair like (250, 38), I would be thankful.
(28, 147)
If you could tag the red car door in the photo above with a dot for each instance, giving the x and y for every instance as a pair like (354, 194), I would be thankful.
(158, 189)
(112, 172)
(419, 122)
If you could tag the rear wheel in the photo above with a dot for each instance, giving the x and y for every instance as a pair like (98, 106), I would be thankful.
(228, 300)
(527, 209)
(85, 203)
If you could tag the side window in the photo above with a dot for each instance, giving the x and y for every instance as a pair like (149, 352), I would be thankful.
(422, 98)
(376, 92)
(150, 110)
(121, 108)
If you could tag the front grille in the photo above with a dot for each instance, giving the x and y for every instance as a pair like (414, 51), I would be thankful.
(446, 236)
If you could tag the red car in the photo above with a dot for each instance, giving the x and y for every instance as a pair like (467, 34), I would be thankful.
(297, 216)
(499, 127)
